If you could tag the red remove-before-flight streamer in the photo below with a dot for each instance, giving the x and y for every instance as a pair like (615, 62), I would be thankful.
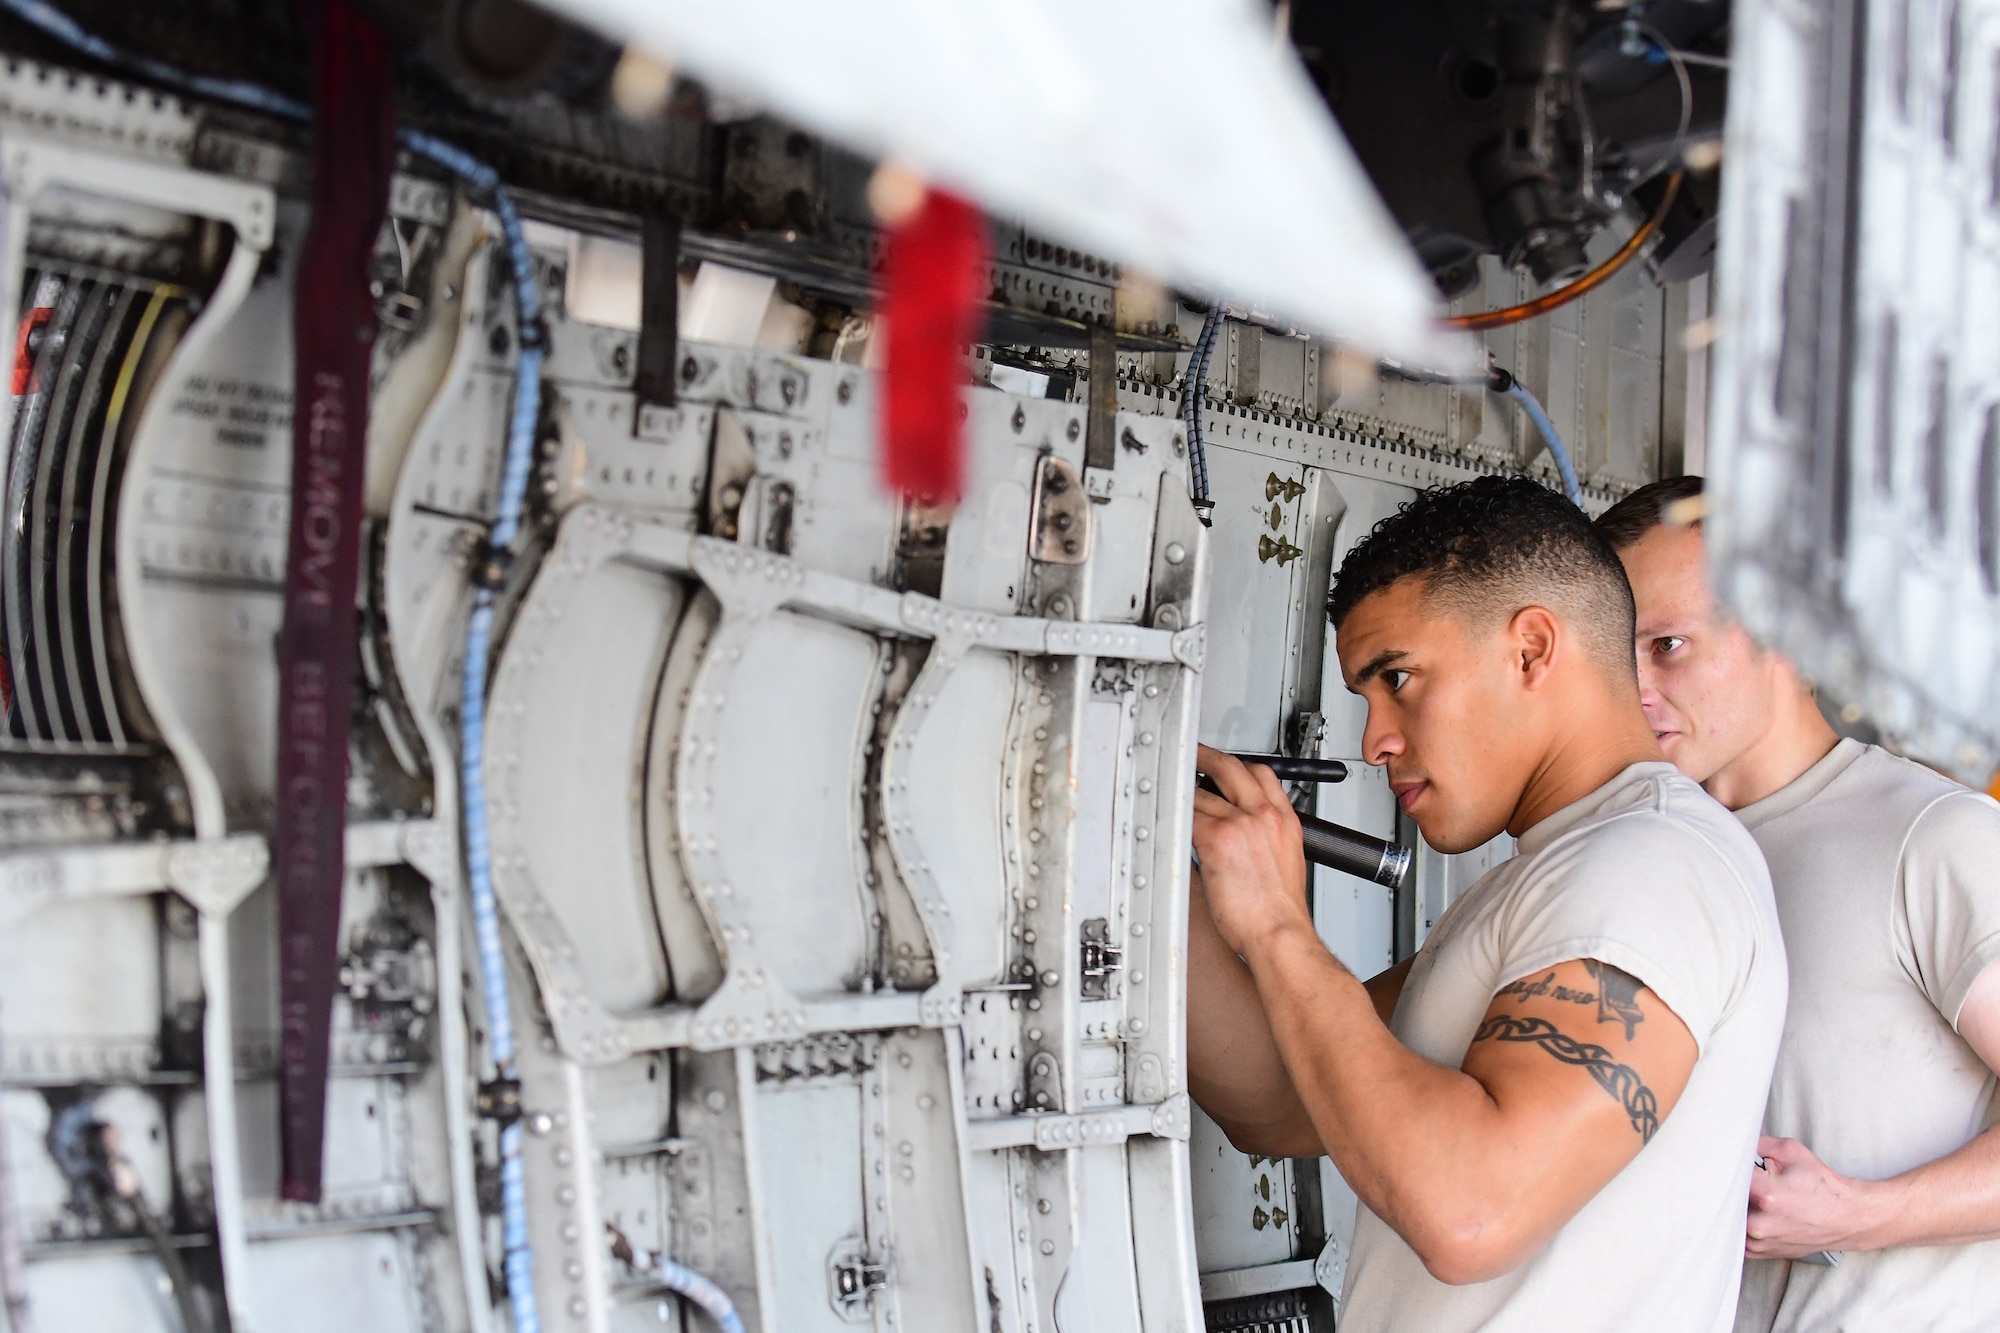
(933, 282)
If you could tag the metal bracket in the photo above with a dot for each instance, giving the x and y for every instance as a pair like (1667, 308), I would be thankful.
(656, 377)
(1169, 1119)
(1061, 531)
(431, 848)
(1100, 443)
(1190, 647)
(214, 875)
(1174, 1118)
(1330, 1269)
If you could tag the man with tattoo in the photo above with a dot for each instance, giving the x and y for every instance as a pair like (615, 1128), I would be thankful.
(1549, 1113)
(1877, 1205)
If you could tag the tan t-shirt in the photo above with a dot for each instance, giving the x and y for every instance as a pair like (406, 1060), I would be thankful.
(1888, 884)
(1649, 874)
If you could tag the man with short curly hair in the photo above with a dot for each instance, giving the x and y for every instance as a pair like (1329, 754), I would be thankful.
(1549, 1114)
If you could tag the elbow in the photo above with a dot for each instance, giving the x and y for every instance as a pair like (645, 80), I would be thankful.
(1463, 1265)
(1467, 1248)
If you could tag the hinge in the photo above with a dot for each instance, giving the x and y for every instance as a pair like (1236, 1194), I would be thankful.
(853, 1277)
(1100, 959)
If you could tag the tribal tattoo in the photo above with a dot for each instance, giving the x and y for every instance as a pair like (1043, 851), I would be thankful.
(1621, 1081)
(1616, 996)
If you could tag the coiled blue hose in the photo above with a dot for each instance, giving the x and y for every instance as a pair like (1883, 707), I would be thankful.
(1519, 393)
(483, 182)
(711, 1298)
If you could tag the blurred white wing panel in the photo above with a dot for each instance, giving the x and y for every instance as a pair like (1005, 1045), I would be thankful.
(1075, 116)
(1855, 495)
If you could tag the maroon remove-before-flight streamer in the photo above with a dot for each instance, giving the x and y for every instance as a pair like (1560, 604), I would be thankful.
(334, 328)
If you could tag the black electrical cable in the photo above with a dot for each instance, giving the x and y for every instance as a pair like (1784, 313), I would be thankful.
(1192, 386)
(169, 1258)
(87, 1152)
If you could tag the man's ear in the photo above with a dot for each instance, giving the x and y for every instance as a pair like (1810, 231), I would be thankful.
(1535, 640)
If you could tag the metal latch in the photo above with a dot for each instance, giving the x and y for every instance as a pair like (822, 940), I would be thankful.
(1100, 959)
(853, 1277)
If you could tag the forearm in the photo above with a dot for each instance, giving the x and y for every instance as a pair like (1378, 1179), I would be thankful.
(1421, 1144)
(1235, 1071)
(1950, 1201)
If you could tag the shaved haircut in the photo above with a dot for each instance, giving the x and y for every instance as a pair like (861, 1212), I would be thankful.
(1489, 548)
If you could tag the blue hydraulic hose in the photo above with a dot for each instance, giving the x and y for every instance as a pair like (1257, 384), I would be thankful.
(482, 179)
(1519, 393)
(711, 1298)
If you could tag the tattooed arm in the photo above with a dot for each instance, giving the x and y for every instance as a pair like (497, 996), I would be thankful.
(1477, 1167)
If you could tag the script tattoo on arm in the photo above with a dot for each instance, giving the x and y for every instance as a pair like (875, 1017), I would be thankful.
(1616, 996)
(1621, 1081)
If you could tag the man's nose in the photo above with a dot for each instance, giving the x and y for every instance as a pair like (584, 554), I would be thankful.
(1381, 739)
(1649, 688)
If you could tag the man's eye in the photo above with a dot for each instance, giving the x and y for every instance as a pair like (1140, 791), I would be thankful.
(1669, 644)
(1395, 679)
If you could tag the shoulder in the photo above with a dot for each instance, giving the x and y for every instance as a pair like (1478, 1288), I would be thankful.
(1667, 863)
(1898, 788)
(1668, 887)
(1946, 910)
(1957, 820)
(1951, 848)
(1926, 814)
(1669, 831)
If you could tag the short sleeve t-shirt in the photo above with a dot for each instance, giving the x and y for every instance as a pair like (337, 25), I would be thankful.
(1648, 874)
(1888, 884)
